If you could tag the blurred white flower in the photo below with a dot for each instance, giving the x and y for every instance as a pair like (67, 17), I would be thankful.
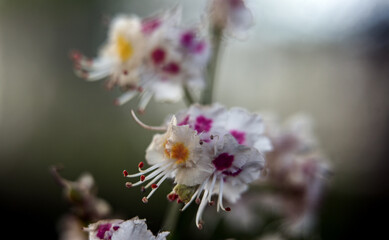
(298, 172)
(150, 57)
(116, 229)
(231, 15)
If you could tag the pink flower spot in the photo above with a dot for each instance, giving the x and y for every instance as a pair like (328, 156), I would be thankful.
(239, 136)
(158, 56)
(199, 48)
(150, 25)
(223, 161)
(187, 39)
(102, 229)
(185, 121)
(232, 174)
(172, 68)
(203, 124)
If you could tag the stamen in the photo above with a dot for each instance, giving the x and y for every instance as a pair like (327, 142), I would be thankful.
(145, 200)
(140, 165)
(211, 188)
(220, 199)
(142, 178)
(125, 97)
(146, 171)
(125, 173)
(158, 184)
(154, 186)
(201, 209)
(162, 128)
(128, 185)
(191, 200)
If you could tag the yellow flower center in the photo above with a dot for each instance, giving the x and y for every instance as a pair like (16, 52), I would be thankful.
(124, 48)
(180, 152)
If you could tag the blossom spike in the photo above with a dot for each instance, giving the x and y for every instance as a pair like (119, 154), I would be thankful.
(161, 128)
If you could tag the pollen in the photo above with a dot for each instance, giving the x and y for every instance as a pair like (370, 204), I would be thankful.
(180, 152)
(124, 48)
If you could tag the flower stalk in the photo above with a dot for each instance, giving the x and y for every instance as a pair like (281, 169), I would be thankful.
(217, 34)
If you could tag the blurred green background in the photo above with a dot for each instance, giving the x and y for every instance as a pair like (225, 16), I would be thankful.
(327, 58)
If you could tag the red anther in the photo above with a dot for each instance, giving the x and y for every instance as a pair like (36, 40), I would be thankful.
(125, 72)
(198, 200)
(201, 142)
(172, 197)
(140, 165)
(75, 55)
(143, 189)
(142, 178)
(125, 173)
(128, 185)
(228, 209)
(145, 200)
(116, 102)
(154, 186)
(200, 226)
(115, 228)
(141, 111)
(211, 203)
(179, 200)
(140, 89)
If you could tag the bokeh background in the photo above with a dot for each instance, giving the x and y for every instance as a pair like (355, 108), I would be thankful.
(327, 58)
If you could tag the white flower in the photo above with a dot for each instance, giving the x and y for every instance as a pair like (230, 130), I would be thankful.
(154, 57)
(116, 229)
(231, 15)
(234, 166)
(121, 56)
(177, 154)
(297, 169)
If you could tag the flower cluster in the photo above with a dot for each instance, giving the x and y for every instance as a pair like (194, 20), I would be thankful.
(116, 229)
(297, 170)
(155, 56)
(207, 150)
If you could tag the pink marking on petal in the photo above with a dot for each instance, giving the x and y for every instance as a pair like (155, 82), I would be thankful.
(199, 48)
(150, 25)
(239, 136)
(102, 229)
(185, 121)
(232, 174)
(158, 56)
(203, 124)
(223, 161)
(172, 68)
(187, 39)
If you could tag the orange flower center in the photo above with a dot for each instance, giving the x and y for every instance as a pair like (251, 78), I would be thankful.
(180, 152)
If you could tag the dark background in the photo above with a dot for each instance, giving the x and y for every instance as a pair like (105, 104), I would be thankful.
(325, 58)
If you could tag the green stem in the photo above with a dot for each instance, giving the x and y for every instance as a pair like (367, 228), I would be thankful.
(171, 218)
(207, 97)
(188, 96)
